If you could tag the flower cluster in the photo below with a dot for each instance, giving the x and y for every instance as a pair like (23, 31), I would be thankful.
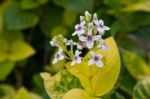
(89, 32)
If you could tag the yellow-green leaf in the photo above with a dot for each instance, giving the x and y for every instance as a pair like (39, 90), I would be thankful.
(142, 5)
(99, 81)
(20, 50)
(142, 89)
(3, 50)
(6, 67)
(77, 94)
(136, 66)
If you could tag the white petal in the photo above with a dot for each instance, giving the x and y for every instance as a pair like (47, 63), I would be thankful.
(82, 38)
(82, 23)
(101, 22)
(75, 33)
(61, 57)
(77, 52)
(76, 26)
(101, 30)
(97, 37)
(100, 64)
(91, 62)
(60, 51)
(72, 63)
(79, 60)
(79, 47)
(100, 56)
(104, 47)
(54, 61)
(81, 31)
(90, 27)
(106, 28)
(89, 44)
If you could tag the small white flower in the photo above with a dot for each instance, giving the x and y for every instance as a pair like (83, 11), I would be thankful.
(89, 39)
(100, 26)
(96, 59)
(58, 56)
(70, 42)
(79, 29)
(53, 43)
(102, 45)
(80, 45)
(77, 58)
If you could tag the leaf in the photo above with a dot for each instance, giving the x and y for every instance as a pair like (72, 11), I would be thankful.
(75, 5)
(7, 91)
(57, 30)
(20, 50)
(22, 93)
(3, 50)
(136, 66)
(12, 36)
(6, 67)
(142, 5)
(16, 18)
(31, 4)
(77, 94)
(126, 82)
(142, 89)
(96, 81)
(69, 17)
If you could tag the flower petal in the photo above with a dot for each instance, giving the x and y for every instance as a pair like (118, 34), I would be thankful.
(98, 37)
(72, 63)
(75, 33)
(106, 28)
(99, 64)
(54, 61)
(91, 62)
(89, 44)
(92, 53)
(101, 22)
(82, 38)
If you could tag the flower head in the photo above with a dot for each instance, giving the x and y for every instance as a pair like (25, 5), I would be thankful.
(102, 45)
(58, 56)
(79, 29)
(96, 59)
(89, 39)
(77, 58)
(100, 25)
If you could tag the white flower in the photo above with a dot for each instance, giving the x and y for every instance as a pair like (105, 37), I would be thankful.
(77, 58)
(89, 39)
(58, 56)
(100, 26)
(80, 45)
(102, 45)
(53, 43)
(96, 59)
(79, 28)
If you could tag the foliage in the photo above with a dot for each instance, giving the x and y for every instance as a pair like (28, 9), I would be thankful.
(26, 27)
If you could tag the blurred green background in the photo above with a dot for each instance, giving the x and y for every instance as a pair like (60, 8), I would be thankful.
(27, 26)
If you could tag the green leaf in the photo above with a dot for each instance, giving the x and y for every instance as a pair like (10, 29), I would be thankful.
(31, 4)
(77, 94)
(20, 50)
(142, 5)
(7, 91)
(12, 36)
(22, 93)
(57, 30)
(16, 18)
(69, 17)
(6, 67)
(3, 50)
(142, 89)
(126, 82)
(75, 5)
(136, 66)
(99, 81)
